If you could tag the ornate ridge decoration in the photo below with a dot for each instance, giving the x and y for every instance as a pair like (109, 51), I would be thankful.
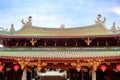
(113, 29)
(29, 22)
(99, 19)
(62, 26)
(12, 30)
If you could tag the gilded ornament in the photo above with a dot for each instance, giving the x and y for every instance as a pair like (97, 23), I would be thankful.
(33, 42)
(88, 41)
(77, 65)
(40, 65)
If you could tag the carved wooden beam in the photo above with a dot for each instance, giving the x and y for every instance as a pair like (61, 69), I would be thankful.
(23, 63)
(95, 63)
(77, 65)
(40, 65)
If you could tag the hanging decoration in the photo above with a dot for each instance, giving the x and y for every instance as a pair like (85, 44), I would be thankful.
(118, 67)
(16, 67)
(1, 67)
(103, 68)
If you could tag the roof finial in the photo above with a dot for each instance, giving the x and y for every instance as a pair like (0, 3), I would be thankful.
(113, 29)
(104, 20)
(12, 30)
(29, 22)
(62, 26)
(99, 19)
(29, 19)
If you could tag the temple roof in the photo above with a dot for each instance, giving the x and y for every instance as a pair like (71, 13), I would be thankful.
(56, 53)
(96, 29)
(28, 29)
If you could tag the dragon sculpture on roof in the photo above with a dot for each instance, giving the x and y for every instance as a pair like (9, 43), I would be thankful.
(29, 22)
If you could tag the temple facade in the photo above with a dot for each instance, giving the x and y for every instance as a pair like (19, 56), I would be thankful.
(81, 53)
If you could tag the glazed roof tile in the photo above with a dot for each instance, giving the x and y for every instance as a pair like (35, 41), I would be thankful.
(96, 29)
(50, 54)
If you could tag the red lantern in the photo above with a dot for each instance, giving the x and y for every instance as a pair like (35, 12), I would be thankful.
(1, 67)
(103, 68)
(118, 67)
(16, 67)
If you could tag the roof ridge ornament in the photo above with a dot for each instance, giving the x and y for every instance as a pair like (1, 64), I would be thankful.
(99, 19)
(3, 29)
(12, 30)
(29, 22)
(62, 26)
(113, 29)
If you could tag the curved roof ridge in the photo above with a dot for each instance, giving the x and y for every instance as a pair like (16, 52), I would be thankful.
(95, 29)
(88, 26)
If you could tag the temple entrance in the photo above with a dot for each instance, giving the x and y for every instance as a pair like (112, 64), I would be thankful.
(52, 75)
(58, 74)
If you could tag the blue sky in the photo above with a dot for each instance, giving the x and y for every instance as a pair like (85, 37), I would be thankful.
(53, 13)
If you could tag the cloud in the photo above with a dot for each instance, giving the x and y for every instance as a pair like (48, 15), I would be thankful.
(116, 10)
(52, 13)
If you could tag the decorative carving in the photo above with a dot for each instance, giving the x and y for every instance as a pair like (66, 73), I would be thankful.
(113, 29)
(88, 41)
(12, 30)
(99, 19)
(104, 20)
(23, 63)
(62, 26)
(95, 63)
(29, 22)
(33, 42)
(77, 65)
(3, 30)
(40, 65)
(22, 21)
(113, 23)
